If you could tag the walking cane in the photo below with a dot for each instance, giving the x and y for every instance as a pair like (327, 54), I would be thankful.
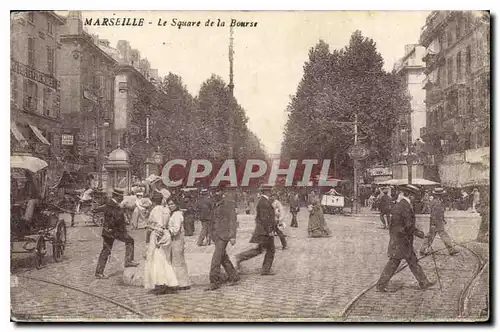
(435, 266)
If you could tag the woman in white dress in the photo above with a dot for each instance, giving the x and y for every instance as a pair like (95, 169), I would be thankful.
(159, 274)
(175, 228)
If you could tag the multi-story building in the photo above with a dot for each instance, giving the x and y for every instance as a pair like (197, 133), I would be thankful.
(411, 69)
(135, 97)
(35, 90)
(87, 100)
(407, 134)
(457, 86)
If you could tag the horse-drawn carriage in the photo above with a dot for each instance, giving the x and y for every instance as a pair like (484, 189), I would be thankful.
(77, 195)
(34, 220)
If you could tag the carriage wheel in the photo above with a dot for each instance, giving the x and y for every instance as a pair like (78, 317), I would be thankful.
(59, 243)
(40, 251)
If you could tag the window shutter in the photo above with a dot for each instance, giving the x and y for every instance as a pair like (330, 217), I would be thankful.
(25, 94)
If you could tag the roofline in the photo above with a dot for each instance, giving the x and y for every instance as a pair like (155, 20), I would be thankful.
(59, 18)
(89, 40)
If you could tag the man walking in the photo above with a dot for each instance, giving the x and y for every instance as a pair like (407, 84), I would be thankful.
(205, 208)
(401, 230)
(294, 208)
(436, 225)
(224, 231)
(114, 228)
(279, 216)
(263, 233)
(385, 206)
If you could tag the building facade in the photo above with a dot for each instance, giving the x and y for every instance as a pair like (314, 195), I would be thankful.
(35, 90)
(457, 87)
(87, 102)
(136, 96)
(411, 69)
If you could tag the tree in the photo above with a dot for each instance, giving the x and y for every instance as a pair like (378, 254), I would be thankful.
(334, 88)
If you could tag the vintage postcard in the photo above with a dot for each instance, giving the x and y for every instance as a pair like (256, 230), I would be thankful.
(249, 166)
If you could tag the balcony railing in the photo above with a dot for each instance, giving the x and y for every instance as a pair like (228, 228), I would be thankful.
(34, 74)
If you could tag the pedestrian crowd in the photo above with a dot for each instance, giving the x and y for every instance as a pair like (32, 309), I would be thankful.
(168, 216)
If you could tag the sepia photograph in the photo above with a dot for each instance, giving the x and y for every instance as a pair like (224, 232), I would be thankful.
(250, 166)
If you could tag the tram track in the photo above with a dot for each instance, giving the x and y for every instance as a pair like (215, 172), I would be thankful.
(88, 293)
(464, 294)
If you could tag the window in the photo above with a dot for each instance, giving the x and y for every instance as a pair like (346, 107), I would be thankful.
(31, 52)
(457, 30)
(459, 65)
(470, 102)
(13, 92)
(468, 60)
(50, 60)
(50, 28)
(47, 102)
(30, 100)
(449, 38)
(31, 17)
(449, 69)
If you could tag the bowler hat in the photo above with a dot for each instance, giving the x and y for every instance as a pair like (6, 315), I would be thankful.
(409, 188)
(439, 191)
(118, 192)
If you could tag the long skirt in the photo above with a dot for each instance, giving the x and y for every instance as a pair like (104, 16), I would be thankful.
(158, 269)
(317, 225)
(179, 261)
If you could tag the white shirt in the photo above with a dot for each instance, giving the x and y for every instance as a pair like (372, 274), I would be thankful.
(87, 195)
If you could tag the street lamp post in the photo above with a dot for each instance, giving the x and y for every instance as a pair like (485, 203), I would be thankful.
(102, 123)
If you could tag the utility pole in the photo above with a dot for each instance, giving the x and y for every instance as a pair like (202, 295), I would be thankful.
(409, 157)
(231, 90)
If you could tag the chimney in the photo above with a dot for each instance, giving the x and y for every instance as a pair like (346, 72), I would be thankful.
(74, 23)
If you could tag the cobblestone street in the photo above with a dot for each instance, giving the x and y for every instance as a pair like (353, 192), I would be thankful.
(317, 279)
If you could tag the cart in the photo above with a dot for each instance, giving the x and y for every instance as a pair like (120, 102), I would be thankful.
(332, 202)
(34, 220)
(70, 188)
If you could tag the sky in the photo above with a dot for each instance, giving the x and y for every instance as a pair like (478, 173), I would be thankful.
(269, 57)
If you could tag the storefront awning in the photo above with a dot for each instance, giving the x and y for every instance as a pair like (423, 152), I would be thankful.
(416, 181)
(39, 134)
(17, 133)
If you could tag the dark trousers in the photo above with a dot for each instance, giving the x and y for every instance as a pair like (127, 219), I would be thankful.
(392, 266)
(189, 224)
(429, 239)
(385, 218)
(220, 257)
(108, 245)
(268, 246)
(205, 232)
(294, 220)
(282, 237)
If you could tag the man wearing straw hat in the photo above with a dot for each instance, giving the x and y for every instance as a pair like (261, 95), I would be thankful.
(401, 230)
(437, 223)
(114, 228)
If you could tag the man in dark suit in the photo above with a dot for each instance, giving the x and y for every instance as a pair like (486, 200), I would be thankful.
(224, 230)
(436, 225)
(294, 208)
(114, 228)
(385, 206)
(263, 234)
(401, 230)
(205, 209)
